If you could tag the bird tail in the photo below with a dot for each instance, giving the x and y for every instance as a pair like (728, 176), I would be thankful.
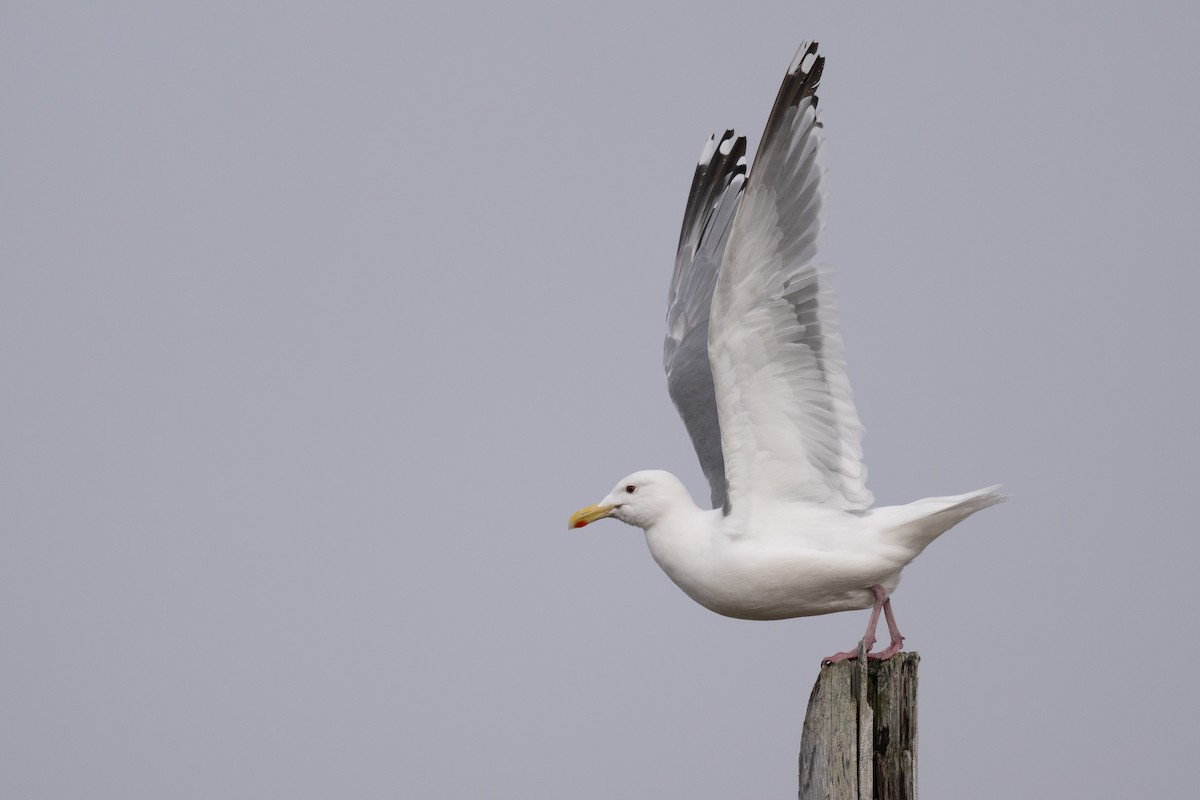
(917, 524)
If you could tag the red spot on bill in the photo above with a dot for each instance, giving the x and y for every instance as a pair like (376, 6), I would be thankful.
(581, 523)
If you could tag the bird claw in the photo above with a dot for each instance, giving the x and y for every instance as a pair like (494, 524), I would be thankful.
(848, 655)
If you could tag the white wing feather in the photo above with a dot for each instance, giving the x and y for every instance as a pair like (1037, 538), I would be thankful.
(789, 429)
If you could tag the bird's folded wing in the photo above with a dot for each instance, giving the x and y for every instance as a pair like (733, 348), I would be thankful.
(789, 429)
(716, 189)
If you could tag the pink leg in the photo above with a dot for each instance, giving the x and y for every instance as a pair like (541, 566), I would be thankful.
(897, 640)
(869, 636)
(882, 603)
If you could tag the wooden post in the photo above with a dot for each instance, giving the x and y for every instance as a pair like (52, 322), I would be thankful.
(860, 732)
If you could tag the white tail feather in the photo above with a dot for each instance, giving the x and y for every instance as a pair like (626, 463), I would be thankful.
(917, 524)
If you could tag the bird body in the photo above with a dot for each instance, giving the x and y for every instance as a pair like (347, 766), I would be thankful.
(755, 365)
(784, 560)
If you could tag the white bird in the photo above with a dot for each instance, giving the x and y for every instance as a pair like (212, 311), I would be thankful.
(756, 369)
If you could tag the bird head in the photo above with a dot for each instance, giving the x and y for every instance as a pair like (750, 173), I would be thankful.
(639, 499)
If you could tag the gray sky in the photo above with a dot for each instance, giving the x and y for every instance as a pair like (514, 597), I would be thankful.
(317, 323)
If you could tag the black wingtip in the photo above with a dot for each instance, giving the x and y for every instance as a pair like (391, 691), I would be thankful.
(724, 156)
(801, 82)
(721, 161)
(803, 75)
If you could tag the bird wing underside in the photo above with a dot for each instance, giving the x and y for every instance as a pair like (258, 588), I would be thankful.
(716, 189)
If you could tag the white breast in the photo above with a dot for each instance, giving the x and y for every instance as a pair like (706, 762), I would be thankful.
(817, 561)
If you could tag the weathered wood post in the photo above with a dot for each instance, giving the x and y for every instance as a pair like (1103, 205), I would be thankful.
(860, 732)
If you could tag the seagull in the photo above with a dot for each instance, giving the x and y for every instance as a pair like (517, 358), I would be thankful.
(756, 368)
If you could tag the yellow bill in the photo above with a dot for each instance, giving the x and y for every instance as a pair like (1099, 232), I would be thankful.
(590, 514)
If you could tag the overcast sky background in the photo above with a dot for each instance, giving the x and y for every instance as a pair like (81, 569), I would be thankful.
(318, 320)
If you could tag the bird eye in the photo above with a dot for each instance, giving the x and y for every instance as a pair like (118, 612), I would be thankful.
(630, 488)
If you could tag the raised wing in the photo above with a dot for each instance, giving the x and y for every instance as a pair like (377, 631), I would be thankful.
(789, 429)
(716, 189)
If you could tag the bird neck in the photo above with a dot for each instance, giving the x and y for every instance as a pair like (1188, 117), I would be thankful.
(682, 523)
(681, 542)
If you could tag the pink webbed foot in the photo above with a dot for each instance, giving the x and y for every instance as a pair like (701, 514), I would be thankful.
(887, 652)
(845, 655)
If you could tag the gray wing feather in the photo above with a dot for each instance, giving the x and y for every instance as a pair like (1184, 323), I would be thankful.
(712, 203)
